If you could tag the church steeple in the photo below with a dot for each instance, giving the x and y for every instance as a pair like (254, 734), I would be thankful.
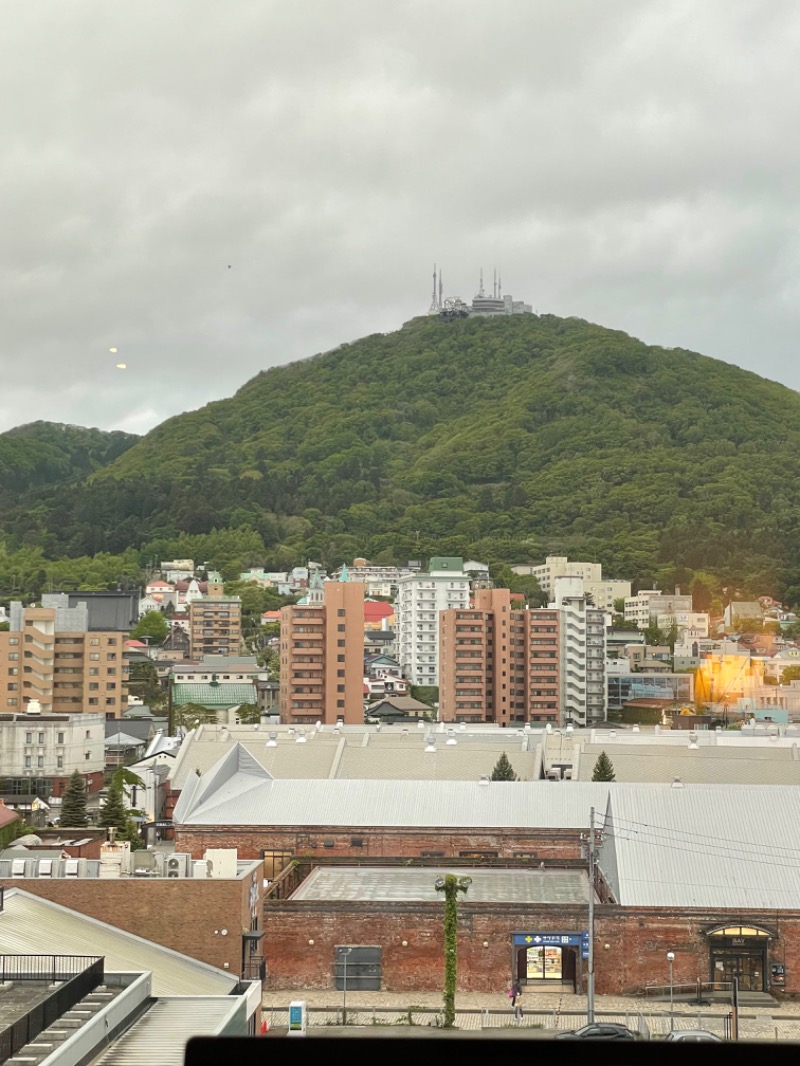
(316, 594)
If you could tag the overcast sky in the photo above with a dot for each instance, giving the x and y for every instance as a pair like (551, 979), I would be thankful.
(215, 187)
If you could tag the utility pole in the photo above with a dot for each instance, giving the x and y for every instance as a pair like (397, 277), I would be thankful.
(590, 974)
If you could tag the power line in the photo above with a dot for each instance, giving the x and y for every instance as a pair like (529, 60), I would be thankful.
(700, 839)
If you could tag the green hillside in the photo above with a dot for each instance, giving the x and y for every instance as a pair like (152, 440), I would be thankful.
(501, 438)
(42, 454)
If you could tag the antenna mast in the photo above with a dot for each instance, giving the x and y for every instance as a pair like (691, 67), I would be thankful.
(434, 305)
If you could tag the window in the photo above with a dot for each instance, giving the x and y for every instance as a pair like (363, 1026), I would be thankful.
(40, 761)
(340, 643)
(110, 686)
(340, 703)
(94, 655)
(60, 738)
(94, 686)
(27, 762)
(88, 755)
(88, 734)
(29, 738)
(93, 701)
(60, 762)
(41, 738)
(94, 641)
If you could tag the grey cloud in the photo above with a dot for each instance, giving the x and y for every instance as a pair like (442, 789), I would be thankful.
(629, 162)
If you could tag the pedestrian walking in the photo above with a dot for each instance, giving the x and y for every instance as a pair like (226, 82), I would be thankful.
(516, 1000)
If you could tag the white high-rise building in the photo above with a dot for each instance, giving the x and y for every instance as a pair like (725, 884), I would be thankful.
(556, 566)
(420, 598)
(584, 696)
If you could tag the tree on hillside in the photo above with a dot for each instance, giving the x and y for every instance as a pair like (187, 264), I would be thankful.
(73, 803)
(190, 715)
(153, 626)
(503, 770)
(603, 769)
(790, 673)
(248, 713)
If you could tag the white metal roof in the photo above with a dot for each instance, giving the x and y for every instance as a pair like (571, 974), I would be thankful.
(33, 926)
(160, 1036)
(736, 846)
(243, 797)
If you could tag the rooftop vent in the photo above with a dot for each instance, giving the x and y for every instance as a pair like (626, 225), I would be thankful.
(676, 783)
(272, 742)
(430, 744)
(483, 779)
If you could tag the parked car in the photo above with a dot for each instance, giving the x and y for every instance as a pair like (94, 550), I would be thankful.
(600, 1031)
(694, 1034)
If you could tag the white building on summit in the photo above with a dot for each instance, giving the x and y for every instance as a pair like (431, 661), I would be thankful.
(483, 303)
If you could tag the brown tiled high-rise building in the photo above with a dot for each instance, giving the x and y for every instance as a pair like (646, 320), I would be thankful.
(497, 664)
(46, 657)
(215, 625)
(322, 655)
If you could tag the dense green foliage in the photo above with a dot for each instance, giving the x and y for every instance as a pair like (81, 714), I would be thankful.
(500, 439)
(152, 628)
(451, 885)
(49, 453)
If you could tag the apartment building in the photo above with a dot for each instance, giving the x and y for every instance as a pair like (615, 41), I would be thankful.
(584, 698)
(644, 608)
(497, 664)
(50, 656)
(322, 655)
(420, 598)
(602, 590)
(215, 624)
(379, 580)
(559, 566)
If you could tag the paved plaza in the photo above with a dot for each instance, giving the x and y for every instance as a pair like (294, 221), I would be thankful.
(543, 1012)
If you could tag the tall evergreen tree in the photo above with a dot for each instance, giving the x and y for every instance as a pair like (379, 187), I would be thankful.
(73, 803)
(603, 769)
(115, 814)
(503, 770)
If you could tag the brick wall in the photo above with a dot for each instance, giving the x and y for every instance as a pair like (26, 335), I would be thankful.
(638, 942)
(252, 841)
(183, 914)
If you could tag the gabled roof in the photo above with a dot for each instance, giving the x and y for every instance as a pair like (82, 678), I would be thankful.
(236, 773)
(243, 800)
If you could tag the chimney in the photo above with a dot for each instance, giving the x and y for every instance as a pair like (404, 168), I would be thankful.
(112, 833)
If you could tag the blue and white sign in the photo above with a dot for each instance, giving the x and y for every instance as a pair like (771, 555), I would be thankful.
(297, 1018)
(554, 940)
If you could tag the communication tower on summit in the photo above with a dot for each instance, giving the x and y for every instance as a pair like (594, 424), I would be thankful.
(436, 296)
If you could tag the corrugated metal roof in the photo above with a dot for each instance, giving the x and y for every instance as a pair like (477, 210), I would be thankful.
(388, 883)
(457, 763)
(709, 765)
(456, 804)
(369, 754)
(160, 1036)
(33, 926)
(703, 846)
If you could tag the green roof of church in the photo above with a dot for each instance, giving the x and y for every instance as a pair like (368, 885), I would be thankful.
(221, 695)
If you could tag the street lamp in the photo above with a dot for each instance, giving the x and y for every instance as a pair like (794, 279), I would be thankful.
(343, 953)
(670, 960)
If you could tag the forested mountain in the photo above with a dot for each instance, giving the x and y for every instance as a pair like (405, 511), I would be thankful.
(42, 454)
(499, 438)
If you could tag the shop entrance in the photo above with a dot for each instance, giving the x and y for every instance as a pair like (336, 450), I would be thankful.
(547, 968)
(739, 952)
